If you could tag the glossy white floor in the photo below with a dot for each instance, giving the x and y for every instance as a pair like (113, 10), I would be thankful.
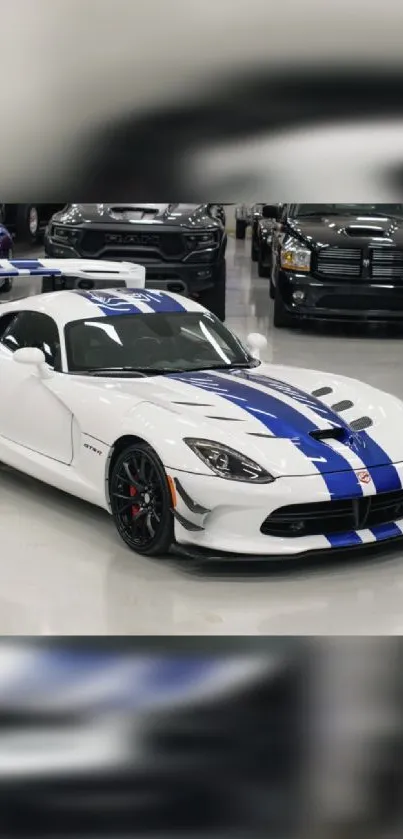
(63, 570)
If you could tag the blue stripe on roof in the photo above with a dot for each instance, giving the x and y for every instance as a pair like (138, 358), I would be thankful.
(114, 304)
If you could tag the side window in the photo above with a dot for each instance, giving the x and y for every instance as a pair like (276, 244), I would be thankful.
(5, 322)
(33, 329)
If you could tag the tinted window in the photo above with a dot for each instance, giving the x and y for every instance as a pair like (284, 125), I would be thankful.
(33, 329)
(299, 210)
(5, 322)
(188, 341)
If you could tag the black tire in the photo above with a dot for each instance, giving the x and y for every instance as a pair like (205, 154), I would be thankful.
(138, 474)
(254, 250)
(214, 298)
(272, 289)
(6, 287)
(281, 318)
(262, 270)
(240, 229)
(47, 285)
(26, 231)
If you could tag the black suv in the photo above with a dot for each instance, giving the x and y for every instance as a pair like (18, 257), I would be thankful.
(182, 246)
(338, 261)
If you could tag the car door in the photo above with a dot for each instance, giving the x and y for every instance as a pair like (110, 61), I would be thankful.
(31, 413)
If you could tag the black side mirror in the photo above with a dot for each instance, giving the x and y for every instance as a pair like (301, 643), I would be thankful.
(271, 211)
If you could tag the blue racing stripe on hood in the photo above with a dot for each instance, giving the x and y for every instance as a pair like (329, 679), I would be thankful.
(370, 452)
(286, 422)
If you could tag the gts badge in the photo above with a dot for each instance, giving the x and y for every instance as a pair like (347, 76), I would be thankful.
(92, 449)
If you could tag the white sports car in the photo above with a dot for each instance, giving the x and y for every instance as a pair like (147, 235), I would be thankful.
(143, 403)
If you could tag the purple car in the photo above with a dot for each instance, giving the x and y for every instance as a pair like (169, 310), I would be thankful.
(6, 252)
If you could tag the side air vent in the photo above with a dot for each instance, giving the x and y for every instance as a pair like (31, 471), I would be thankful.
(344, 405)
(193, 404)
(225, 419)
(322, 391)
(258, 434)
(361, 423)
(330, 434)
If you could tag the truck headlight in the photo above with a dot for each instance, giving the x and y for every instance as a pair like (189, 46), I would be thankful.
(294, 257)
(227, 463)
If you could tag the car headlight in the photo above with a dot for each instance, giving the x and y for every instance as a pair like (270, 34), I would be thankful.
(64, 234)
(199, 241)
(295, 257)
(227, 463)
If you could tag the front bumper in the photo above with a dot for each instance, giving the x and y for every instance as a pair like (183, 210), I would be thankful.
(187, 278)
(223, 519)
(338, 299)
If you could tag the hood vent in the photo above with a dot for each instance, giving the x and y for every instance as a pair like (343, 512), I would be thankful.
(344, 405)
(339, 434)
(225, 419)
(322, 391)
(361, 423)
(365, 230)
(133, 212)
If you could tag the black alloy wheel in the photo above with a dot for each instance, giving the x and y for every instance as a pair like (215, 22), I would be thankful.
(141, 500)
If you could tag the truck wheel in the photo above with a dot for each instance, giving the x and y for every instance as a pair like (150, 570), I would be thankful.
(6, 286)
(262, 270)
(214, 298)
(28, 223)
(240, 229)
(281, 317)
(47, 285)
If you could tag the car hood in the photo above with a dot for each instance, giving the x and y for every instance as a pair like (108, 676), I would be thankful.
(288, 428)
(187, 216)
(348, 230)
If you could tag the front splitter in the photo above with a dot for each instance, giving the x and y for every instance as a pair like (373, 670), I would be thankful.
(193, 552)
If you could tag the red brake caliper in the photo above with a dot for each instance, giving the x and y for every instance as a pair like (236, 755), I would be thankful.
(135, 508)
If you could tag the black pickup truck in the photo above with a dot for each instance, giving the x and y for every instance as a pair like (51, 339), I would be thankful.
(336, 261)
(182, 246)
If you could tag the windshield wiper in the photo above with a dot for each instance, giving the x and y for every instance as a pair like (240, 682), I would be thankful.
(161, 371)
(113, 371)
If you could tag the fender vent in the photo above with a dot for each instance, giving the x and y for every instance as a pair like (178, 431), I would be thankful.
(322, 391)
(342, 406)
(225, 419)
(361, 423)
(330, 434)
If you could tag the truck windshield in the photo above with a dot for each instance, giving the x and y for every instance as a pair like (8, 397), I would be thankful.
(388, 210)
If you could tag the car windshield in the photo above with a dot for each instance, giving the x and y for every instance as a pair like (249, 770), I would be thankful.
(151, 344)
(347, 209)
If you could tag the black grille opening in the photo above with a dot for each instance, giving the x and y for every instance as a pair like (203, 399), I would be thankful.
(339, 262)
(387, 263)
(330, 517)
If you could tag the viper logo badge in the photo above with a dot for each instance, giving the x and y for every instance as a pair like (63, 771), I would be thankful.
(363, 476)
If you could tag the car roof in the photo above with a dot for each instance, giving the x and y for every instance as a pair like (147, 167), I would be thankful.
(80, 304)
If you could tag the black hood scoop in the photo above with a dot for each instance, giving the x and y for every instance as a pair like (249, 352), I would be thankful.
(369, 230)
(338, 433)
(134, 212)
